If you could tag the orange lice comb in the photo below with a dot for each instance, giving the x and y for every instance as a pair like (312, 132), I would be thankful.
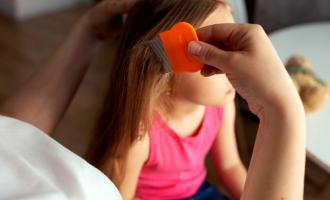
(171, 47)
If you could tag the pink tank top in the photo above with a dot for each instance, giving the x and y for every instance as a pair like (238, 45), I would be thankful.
(175, 168)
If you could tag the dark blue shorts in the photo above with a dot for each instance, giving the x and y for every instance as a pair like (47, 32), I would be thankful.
(208, 192)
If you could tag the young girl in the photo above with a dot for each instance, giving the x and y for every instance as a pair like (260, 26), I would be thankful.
(157, 129)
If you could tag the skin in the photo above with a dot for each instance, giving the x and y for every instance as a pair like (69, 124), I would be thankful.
(191, 93)
(277, 166)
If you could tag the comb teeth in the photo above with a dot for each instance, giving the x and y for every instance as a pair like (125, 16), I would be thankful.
(158, 48)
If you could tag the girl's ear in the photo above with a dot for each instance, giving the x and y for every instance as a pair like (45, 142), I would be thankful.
(168, 92)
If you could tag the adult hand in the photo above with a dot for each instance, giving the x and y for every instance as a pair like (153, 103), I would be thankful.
(245, 54)
(106, 18)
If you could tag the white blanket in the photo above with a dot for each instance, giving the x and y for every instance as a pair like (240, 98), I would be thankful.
(33, 166)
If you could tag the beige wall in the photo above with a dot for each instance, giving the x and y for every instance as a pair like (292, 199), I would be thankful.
(22, 9)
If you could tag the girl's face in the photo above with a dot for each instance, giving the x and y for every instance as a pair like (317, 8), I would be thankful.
(210, 91)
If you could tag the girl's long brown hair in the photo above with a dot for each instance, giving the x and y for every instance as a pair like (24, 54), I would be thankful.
(137, 82)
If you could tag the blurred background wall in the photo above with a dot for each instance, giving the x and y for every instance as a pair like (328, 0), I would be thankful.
(278, 14)
(23, 9)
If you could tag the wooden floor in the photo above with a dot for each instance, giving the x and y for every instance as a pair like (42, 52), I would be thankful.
(25, 46)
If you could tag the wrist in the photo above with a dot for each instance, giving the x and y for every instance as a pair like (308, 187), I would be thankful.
(290, 113)
(286, 103)
(86, 27)
(83, 36)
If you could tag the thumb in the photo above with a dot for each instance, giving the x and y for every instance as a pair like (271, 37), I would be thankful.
(208, 54)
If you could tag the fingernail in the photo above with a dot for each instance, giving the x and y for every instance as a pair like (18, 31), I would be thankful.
(194, 48)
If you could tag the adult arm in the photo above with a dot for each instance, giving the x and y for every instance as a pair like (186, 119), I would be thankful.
(45, 96)
(253, 67)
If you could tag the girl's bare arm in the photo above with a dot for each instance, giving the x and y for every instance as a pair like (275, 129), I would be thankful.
(138, 154)
(225, 154)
